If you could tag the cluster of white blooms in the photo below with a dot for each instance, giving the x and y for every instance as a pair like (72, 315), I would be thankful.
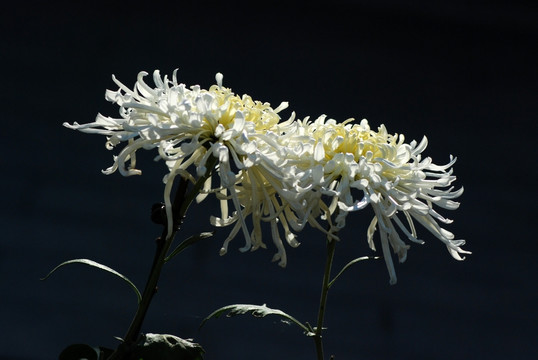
(287, 174)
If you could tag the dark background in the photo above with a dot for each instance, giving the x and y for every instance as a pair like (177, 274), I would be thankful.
(461, 72)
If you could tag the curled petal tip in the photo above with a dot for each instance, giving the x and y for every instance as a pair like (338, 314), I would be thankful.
(218, 78)
(245, 248)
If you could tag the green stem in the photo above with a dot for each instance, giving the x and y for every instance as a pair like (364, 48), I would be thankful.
(331, 244)
(181, 203)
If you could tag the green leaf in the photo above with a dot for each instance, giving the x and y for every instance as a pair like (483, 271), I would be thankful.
(167, 347)
(257, 311)
(352, 262)
(188, 242)
(99, 266)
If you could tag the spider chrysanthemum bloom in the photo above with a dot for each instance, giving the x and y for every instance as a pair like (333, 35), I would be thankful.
(356, 167)
(186, 126)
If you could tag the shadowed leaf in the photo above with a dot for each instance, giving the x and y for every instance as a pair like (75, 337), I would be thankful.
(99, 266)
(352, 262)
(79, 351)
(167, 347)
(256, 311)
(188, 242)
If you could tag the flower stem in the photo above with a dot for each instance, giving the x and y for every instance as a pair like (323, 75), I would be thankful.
(181, 203)
(331, 244)
(163, 245)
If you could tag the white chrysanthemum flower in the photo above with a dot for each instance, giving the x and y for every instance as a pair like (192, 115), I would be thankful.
(187, 126)
(389, 175)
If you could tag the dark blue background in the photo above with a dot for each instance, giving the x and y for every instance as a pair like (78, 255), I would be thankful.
(462, 73)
